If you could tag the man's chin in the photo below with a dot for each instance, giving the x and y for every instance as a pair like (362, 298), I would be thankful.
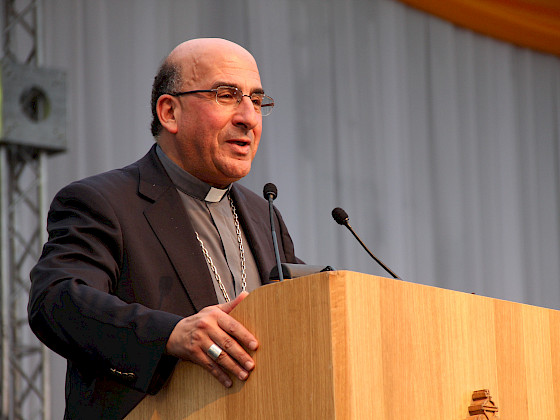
(237, 172)
(225, 180)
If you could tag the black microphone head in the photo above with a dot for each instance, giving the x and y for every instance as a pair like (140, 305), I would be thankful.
(340, 216)
(270, 189)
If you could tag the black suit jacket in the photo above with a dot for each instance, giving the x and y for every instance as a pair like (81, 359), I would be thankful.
(121, 267)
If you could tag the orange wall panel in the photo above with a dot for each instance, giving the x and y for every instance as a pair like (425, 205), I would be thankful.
(527, 23)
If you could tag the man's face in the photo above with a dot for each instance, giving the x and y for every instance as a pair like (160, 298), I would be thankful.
(217, 143)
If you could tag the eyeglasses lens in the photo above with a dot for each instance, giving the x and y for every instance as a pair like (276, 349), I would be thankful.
(231, 96)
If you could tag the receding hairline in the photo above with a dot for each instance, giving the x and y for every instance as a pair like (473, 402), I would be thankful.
(188, 51)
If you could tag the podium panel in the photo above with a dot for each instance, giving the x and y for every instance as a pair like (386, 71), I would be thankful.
(344, 345)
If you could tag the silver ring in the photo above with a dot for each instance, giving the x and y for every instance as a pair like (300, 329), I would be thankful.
(214, 351)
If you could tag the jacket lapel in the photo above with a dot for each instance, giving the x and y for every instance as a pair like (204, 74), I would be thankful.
(170, 223)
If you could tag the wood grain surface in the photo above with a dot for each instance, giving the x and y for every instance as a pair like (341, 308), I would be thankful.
(345, 345)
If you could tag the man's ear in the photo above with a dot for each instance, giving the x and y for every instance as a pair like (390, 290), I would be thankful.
(167, 108)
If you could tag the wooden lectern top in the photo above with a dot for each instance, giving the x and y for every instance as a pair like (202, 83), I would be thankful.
(343, 345)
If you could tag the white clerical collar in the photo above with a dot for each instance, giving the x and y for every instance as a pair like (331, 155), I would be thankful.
(215, 195)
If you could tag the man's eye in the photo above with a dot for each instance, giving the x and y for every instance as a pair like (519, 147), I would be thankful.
(257, 100)
(226, 94)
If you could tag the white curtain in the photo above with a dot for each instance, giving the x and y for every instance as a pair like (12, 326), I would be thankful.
(441, 144)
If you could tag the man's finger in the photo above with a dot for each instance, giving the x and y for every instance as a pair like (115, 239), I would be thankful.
(236, 330)
(222, 358)
(228, 306)
(218, 373)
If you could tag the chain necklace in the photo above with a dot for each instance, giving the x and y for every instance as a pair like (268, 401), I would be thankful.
(241, 255)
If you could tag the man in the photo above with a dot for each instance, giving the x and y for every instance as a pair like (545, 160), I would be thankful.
(139, 258)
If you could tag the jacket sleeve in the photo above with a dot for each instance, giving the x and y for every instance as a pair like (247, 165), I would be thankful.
(72, 306)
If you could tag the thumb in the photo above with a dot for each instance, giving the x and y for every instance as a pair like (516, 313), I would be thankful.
(228, 306)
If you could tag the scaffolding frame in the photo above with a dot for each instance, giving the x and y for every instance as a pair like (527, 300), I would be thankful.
(25, 361)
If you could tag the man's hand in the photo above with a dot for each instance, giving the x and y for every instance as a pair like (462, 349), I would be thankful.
(192, 337)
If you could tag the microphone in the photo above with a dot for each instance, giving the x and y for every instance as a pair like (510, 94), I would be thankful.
(270, 192)
(341, 217)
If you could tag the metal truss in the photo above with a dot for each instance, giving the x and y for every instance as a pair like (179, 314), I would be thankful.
(25, 362)
(20, 34)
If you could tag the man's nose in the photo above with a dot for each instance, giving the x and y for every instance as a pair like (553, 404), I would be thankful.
(246, 114)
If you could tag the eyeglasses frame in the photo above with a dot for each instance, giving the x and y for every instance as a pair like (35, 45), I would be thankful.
(269, 106)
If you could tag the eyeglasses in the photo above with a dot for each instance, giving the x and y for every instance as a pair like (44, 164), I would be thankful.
(232, 96)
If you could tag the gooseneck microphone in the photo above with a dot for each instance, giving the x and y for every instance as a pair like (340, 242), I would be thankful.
(341, 217)
(270, 192)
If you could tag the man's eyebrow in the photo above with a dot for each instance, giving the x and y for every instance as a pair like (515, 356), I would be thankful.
(229, 84)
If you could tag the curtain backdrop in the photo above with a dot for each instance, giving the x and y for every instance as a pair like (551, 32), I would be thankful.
(441, 144)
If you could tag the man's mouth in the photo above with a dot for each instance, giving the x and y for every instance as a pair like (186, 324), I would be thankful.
(240, 142)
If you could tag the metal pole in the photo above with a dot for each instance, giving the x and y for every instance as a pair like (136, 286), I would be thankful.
(4, 291)
(43, 238)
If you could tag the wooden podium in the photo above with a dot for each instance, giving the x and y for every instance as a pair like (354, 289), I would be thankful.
(344, 345)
